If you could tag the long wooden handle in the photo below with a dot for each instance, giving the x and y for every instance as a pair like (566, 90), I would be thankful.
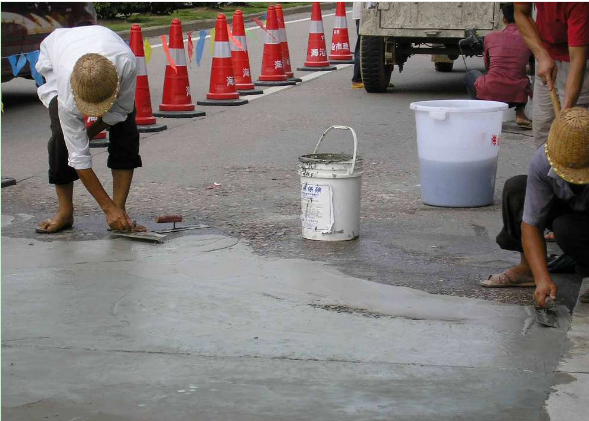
(555, 100)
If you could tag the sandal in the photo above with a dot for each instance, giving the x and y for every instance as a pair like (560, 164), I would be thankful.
(507, 279)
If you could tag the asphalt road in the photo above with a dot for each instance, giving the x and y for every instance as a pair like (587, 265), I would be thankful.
(252, 152)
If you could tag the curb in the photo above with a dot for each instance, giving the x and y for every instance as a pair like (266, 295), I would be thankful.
(197, 25)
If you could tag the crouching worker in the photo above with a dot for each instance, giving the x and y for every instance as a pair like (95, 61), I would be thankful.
(506, 57)
(554, 195)
(89, 71)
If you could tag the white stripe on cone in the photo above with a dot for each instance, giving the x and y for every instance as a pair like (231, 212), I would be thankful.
(242, 40)
(178, 56)
(272, 37)
(141, 66)
(316, 27)
(222, 50)
(340, 22)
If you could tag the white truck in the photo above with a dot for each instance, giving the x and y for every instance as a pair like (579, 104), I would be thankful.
(392, 32)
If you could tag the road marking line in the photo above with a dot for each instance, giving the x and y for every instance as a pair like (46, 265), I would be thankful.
(254, 27)
(305, 78)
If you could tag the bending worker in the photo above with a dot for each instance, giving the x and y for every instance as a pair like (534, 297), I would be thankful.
(89, 71)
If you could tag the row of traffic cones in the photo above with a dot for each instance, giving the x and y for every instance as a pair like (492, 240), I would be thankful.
(230, 70)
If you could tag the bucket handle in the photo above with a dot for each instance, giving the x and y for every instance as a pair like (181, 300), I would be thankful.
(350, 172)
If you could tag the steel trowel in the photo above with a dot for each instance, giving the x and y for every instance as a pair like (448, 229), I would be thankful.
(547, 316)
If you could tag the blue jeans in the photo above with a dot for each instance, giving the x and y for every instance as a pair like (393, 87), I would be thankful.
(357, 75)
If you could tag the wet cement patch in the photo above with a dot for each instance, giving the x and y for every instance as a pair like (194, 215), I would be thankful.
(100, 328)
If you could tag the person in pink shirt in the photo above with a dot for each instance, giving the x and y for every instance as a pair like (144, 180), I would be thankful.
(506, 57)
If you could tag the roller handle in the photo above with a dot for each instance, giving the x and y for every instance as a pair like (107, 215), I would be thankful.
(555, 100)
(162, 219)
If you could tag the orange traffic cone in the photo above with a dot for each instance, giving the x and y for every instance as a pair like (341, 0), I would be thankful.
(222, 87)
(98, 141)
(144, 118)
(241, 59)
(284, 45)
(316, 51)
(340, 41)
(176, 99)
(272, 65)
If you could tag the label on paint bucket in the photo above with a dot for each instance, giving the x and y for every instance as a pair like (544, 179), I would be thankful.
(317, 207)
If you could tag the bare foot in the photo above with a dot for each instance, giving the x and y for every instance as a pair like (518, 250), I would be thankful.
(523, 121)
(58, 223)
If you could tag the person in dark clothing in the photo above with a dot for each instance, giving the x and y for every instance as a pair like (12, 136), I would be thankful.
(554, 195)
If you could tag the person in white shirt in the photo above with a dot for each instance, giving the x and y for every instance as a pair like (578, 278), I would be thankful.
(89, 71)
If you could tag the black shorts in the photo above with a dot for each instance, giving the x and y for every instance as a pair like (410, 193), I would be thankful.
(123, 148)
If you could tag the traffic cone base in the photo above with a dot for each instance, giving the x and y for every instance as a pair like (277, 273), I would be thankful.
(151, 128)
(341, 61)
(316, 69)
(179, 114)
(274, 82)
(99, 143)
(250, 91)
(223, 102)
(295, 79)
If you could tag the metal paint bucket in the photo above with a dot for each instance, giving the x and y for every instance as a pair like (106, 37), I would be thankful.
(330, 193)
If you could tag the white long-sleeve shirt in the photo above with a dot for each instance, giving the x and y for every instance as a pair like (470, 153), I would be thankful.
(59, 53)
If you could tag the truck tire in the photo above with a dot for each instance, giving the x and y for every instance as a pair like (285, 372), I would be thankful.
(444, 67)
(375, 74)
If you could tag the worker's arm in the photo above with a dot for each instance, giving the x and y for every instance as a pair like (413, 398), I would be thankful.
(116, 218)
(579, 56)
(96, 128)
(535, 253)
(529, 31)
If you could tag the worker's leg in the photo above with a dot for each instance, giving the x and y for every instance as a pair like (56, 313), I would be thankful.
(60, 174)
(563, 69)
(543, 108)
(571, 231)
(123, 158)
(469, 80)
(520, 115)
(357, 77)
(510, 237)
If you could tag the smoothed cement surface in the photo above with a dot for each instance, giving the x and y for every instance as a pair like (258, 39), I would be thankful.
(203, 328)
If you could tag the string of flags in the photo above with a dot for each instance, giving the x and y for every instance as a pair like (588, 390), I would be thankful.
(19, 61)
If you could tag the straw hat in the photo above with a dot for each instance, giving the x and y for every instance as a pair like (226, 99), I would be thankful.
(95, 84)
(567, 147)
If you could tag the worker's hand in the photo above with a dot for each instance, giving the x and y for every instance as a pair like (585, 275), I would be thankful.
(543, 290)
(547, 71)
(117, 219)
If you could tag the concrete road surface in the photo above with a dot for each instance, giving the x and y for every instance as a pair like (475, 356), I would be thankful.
(245, 319)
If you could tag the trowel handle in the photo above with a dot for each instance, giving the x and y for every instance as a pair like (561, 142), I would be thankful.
(168, 218)
(555, 100)
(355, 143)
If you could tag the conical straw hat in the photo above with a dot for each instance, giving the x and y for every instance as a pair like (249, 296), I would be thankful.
(567, 147)
(95, 84)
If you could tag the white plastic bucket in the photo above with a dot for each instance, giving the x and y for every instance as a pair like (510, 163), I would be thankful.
(330, 193)
(458, 145)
